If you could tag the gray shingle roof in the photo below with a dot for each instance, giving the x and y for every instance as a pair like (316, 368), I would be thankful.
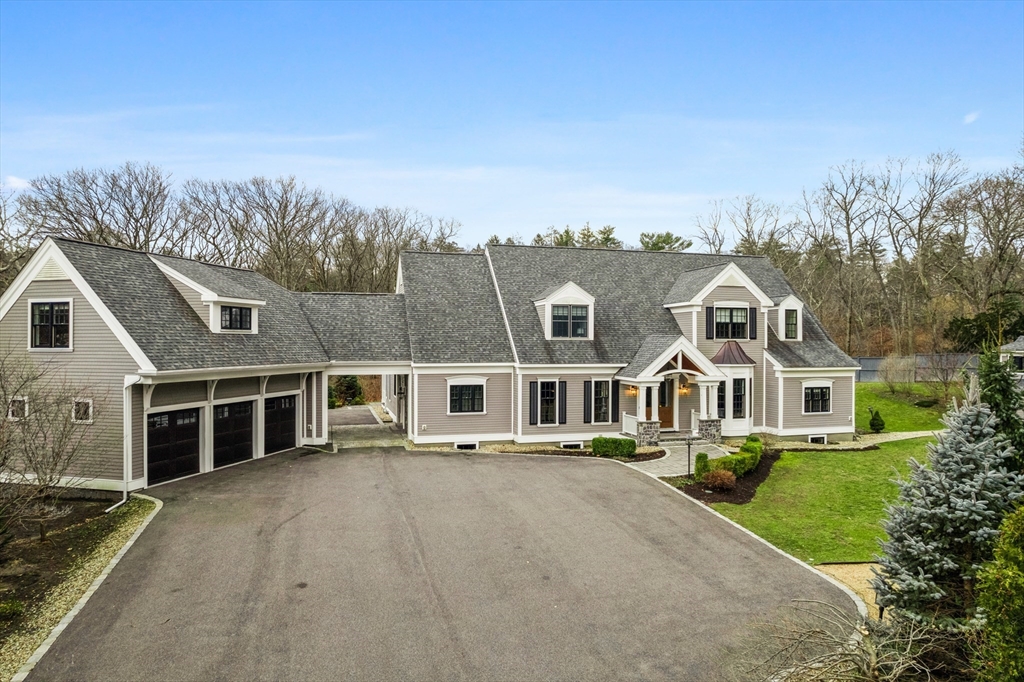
(359, 327)
(1014, 345)
(167, 329)
(217, 279)
(689, 283)
(815, 350)
(629, 287)
(452, 309)
(652, 346)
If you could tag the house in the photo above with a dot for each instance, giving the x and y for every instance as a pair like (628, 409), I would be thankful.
(1014, 352)
(199, 366)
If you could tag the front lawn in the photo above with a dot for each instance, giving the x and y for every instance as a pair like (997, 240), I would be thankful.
(826, 507)
(899, 412)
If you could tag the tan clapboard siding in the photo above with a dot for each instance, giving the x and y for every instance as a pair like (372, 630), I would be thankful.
(574, 410)
(772, 400)
(433, 407)
(283, 382)
(178, 393)
(685, 322)
(237, 388)
(98, 364)
(138, 430)
(687, 403)
(194, 300)
(842, 405)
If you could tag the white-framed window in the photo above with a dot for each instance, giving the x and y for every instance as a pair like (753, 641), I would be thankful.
(17, 408)
(570, 321)
(548, 402)
(81, 411)
(817, 396)
(791, 322)
(731, 323)
(49, 324)
(236, 318)
(467, 395)
(566, 313)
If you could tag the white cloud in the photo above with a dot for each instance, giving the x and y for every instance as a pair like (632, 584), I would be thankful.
(15, 183)
(971, 117)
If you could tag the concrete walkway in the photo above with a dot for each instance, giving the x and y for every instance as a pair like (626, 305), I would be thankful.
(674, 463)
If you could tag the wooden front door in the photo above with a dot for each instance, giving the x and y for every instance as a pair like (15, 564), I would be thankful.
(666, 403)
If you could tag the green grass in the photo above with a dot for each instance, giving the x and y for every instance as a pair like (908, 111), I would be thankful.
(899, 413)
(825, 507)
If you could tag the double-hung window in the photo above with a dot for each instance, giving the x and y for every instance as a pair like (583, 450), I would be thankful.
(569, 321)
(466, 398)
(721, 400)
(817, 399)
(235, 317)
(602, 401)
(548, 402)
(790, 324)
(17, 408)
(739, 398)
(730, 323)
(51, 325)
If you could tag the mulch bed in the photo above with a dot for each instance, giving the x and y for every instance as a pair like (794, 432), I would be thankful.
(29, 567)
(745, 486)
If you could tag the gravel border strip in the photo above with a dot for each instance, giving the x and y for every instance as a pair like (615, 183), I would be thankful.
(66, 620)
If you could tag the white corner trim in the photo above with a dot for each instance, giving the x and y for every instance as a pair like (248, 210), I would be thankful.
(70, 616)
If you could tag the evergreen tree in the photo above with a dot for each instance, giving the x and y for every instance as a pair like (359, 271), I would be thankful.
(942, 529)
(1001, 594)
(999, 390)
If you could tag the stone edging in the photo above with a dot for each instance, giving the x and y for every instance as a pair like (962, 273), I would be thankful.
(24, 671)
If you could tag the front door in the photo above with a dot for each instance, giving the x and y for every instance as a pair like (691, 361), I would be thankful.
(665, 404)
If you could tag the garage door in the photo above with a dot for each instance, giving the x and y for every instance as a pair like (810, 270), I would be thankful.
(279, 424)
(172, 445)
(232, 433)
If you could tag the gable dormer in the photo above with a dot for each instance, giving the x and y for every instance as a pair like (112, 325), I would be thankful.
(790, 319)
(223, 314)
(566, 312)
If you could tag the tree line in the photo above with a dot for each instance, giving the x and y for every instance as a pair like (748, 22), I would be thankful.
(910, 256)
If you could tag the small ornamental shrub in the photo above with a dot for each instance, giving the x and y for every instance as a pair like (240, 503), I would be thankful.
(742, 463)
(701, 466)
(720, 480)
(1001, 595)
(11, 609)
(753, 438)
(613, 447)
(877, 424)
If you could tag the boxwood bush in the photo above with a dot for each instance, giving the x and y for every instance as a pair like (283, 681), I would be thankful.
(613, 447)
(701, 466)
(744, 461)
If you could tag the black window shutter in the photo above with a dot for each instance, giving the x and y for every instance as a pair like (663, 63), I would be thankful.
(615, 402)
(586, 402)
(710, 323)
(753, 323)
(561, 402)
(533, 403)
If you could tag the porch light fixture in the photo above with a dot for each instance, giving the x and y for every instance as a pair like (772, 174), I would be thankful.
(632, 391)
(684, 389)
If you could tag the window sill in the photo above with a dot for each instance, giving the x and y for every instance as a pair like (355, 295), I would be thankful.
(466, 414)
(813, 414)
(547, 426)
(50, 350)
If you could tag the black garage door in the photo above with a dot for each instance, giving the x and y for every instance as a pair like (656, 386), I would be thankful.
(279, 424)
(172, 445)
(232, 433)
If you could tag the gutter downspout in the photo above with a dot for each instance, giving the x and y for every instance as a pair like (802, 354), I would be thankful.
(126, 447)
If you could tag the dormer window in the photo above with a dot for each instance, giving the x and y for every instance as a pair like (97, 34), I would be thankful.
(569, 321)
(791, 324)
(235, 318)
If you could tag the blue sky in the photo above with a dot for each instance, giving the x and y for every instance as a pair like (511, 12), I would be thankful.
(512, 117)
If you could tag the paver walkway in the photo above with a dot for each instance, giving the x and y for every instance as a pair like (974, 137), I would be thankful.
(674, 463)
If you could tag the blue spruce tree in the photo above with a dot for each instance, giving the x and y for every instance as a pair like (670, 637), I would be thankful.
(943, 526)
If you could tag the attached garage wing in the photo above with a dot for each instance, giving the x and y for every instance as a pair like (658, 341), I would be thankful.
(279, 424)
(232, 433)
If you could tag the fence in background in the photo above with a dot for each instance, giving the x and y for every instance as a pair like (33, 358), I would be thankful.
(926, 367)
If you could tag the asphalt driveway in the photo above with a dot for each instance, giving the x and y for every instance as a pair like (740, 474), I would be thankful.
(394, 565)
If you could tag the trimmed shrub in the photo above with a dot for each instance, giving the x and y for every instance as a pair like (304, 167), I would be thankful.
(753, 438)
(877, 424)
(613, 447)
(720, 480)
(1001, 595)
(742, 463)
(701, 466)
